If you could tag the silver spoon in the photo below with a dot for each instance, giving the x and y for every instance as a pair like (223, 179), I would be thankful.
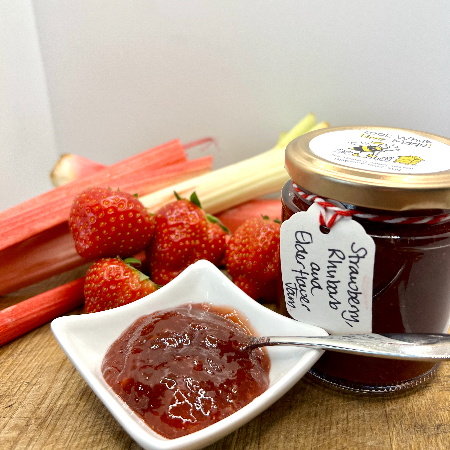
(424, 347)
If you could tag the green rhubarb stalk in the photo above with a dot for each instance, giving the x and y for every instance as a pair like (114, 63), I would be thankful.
(304, 126)
(237, 183)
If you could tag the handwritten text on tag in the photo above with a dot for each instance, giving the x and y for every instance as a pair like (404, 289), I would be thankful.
(327, 278)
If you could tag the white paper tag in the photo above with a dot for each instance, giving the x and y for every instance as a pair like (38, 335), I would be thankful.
(327, 278)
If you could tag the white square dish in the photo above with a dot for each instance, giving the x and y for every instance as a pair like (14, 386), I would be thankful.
(86, 338)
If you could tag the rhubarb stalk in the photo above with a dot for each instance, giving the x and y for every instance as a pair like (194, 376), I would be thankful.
(71, 167)
(158, 157)
(52, 208)
(29, 314)
(234, 217)
(232, 185)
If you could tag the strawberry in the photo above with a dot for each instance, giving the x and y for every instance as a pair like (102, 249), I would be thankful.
(184, 234)
(253, 258)
(111, 282)
(108, 223)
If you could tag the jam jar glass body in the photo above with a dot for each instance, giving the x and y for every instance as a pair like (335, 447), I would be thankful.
(396, 182)
(411, 294)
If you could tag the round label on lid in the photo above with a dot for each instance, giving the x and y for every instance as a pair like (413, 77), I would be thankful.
(383, 150)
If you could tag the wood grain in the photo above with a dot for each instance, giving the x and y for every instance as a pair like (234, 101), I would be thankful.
(45, 404)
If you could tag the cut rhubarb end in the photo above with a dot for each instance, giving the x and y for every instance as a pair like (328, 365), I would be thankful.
(72, 167)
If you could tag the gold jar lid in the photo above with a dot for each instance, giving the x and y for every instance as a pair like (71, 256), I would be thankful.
(385, 168)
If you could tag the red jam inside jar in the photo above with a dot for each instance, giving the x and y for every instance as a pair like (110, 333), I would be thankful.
(186, 368)
(411, 294)
(411, 279)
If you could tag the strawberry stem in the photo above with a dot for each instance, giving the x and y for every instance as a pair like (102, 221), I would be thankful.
(214, 219)
(195, 200)
(132, 261)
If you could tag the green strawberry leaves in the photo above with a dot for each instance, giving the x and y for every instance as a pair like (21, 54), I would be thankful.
(196, 201)
(214, 219)
(193, 198)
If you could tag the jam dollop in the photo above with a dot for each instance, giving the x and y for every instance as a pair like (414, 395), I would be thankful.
(185, 368)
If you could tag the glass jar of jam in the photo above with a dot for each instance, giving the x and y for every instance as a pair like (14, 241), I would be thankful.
(396, 182)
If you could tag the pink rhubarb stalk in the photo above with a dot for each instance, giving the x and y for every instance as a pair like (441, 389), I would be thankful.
(29, 314)
(52, 208)
(155, 158)
(252, 209)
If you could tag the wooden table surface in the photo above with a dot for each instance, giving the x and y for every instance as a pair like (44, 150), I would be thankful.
(45, 404)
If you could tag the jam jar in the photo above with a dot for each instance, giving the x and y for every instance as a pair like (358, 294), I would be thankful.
(396, 182)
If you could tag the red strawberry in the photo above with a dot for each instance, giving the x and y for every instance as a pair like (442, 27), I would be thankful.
(253, 258)
(111, 282)
(104, 222)
(184, 234)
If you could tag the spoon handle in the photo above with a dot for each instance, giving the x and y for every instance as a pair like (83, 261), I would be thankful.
(424, 347)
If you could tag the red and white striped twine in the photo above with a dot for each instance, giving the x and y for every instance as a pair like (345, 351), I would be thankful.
(331, 212)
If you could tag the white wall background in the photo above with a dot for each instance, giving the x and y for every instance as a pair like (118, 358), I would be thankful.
(123, 76)
(27, 143)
